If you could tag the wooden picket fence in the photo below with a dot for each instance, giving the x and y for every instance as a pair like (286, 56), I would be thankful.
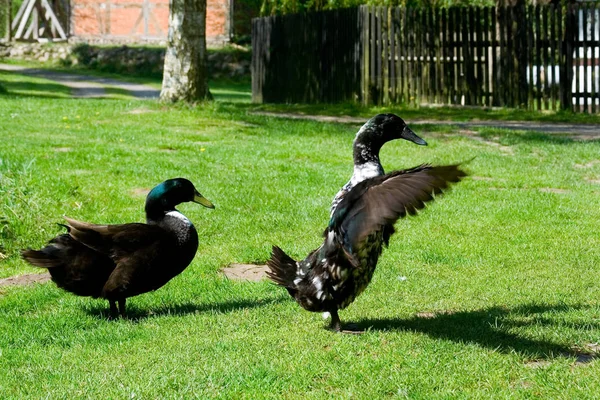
(536, 57)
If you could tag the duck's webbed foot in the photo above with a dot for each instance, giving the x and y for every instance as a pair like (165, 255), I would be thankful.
(336, 325)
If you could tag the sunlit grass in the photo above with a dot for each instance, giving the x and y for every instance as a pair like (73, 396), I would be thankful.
(491, 292)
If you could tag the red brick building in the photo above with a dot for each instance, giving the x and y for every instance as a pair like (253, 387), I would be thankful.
(140, 20)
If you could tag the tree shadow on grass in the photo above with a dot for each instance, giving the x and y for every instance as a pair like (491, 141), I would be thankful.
(494, 328)
(100, 309)
(557, 135)
(25, 89)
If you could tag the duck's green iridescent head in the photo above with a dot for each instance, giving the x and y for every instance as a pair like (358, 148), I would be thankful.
(168, 194)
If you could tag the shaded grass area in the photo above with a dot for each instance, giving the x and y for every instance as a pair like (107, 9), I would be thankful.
(440, 113)
(223, 89)
(490, 292)
(238, 92)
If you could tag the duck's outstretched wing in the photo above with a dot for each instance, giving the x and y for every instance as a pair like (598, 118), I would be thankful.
(379, 202)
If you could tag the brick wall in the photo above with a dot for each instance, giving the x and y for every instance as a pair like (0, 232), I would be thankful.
(139, 20)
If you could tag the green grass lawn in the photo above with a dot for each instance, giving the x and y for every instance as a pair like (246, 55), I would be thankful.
(492, 291)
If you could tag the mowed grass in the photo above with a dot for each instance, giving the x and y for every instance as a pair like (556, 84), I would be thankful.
(492, 291)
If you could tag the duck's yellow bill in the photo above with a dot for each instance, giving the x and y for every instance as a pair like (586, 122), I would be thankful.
(198, 198)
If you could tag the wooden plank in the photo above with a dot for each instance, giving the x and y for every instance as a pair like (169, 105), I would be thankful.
(467, 60)
(532, 75)
(385, 60)
(510, 88)
(538, 58)
(545, 57)
(475, 22)
(502, 57)
(520, 53)
(419, 92)
(408, 47)
(433, 54)
(20, 12)
(443, 54)
(28, 6)
(555, 28)
(366, 18)
(490, 32)
(53, 20)
(373, 55)
(454, 54)
(378, 58)
(393, 54)
(595, 61)
(403, 54)
(437, 44)
(493, 57)
(572, 36)
(583, 53)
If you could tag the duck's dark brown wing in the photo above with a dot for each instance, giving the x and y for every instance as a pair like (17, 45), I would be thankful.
(116, 241)
(378, 202)
(138, 250)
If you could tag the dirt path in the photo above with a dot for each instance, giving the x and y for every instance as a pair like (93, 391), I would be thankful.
(577, 131)
(83, 86)
(27, 279)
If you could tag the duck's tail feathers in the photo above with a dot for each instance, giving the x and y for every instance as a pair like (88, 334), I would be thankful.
(282, 268)
(41, 258)
(50, 256)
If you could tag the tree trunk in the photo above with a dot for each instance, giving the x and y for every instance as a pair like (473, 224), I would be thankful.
(8, 20)
(185, 73)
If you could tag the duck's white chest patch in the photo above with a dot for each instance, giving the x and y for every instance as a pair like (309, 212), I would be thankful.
(183, 227)
(179, 216)
(365, 171)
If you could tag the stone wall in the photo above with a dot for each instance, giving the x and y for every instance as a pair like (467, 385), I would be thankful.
(231, 62)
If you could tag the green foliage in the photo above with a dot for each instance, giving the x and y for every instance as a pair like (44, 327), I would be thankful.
(243, 12)
(148, 61)
(277, 7)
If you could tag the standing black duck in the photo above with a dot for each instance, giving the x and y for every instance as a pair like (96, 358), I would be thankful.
(362, 220)
(115, 262)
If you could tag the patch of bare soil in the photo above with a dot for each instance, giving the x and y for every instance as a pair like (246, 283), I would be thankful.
(245, 272)
(62, 149)
(591, 180)
(139, 191)
(482, 178)
(587, 165)
(507, 150)
(140, 111)
(554, 190)
(26, 279)
(589, 353)
(430, 315)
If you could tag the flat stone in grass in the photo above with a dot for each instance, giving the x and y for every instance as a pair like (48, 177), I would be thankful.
(245, 272)
(26, 279)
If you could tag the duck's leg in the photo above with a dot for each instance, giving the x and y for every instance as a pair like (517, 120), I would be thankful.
(113, 309)
(122, 308)
(336, 324)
